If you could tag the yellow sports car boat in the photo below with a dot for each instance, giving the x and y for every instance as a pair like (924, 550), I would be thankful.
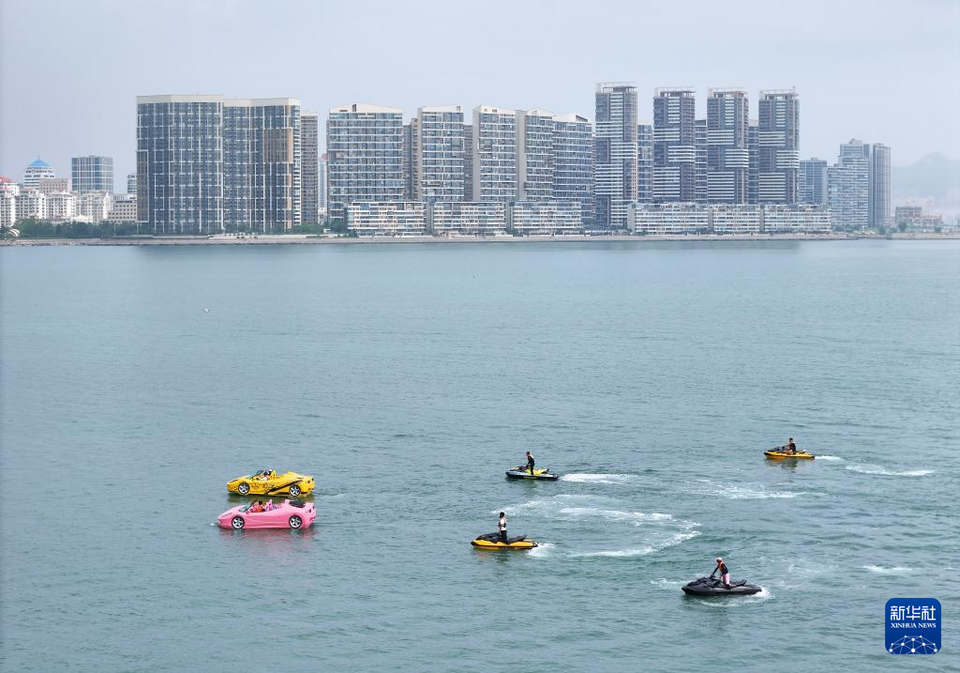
(493, 542)
(268, 482)
(779, 453)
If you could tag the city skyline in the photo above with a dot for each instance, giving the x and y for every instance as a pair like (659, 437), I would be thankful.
(905, 65)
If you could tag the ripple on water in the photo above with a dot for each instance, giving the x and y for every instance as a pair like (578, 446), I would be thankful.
(882, 471)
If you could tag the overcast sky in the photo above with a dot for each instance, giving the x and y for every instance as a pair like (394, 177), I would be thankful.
(882, 70)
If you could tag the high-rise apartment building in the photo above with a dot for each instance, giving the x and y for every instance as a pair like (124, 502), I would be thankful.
(364, 156)
(573, 162)
(310, 167)
(812, 182)
(92, 174)
(674, 145)
(753, 173)
(728, 157)
(849, 187)
(409, 160)
(645, 163)
(778, 146)
(35, 172)
(700, 190)
(879, 186)
(132, 184)
(494, 154)
(468, 153)
(438, 153)
(535, 162)
(615, 154)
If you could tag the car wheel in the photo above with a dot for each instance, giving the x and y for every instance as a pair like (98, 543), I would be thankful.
(295, 490)
(295, 522)
(243, 488)
(237, 522)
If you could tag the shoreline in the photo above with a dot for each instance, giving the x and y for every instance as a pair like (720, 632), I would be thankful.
(300, 239)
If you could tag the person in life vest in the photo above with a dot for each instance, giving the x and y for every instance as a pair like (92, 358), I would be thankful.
(530, 462)
(724, 572)
(791, 446)
(502, 526)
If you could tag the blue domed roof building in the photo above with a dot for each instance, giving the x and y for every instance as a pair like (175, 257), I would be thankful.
(37, 171)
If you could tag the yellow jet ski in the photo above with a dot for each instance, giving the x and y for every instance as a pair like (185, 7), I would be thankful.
(781, 452)
(523, 473)
(493, 542)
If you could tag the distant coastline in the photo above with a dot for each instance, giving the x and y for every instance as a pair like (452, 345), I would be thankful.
(294, 239)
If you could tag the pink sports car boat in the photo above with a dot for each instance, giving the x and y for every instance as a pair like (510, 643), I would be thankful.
(288, 514)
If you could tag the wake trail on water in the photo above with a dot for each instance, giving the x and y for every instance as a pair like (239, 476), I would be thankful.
(598, 478)
(543, 549)
(882, 471)
(736, 492)
(835, 459)
(738, 601)
(641, 551)
(892, 570)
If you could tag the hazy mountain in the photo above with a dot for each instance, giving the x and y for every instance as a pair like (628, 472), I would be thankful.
(933, 180)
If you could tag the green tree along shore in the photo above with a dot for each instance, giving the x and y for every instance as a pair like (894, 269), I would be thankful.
(33, 228)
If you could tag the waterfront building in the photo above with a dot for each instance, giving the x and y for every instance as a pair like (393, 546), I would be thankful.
(35, 172)
(409, 160)
(664, 219)
(615, 154)
(123, 209)
(812, 182)
(131, 183)
(468, 152)
(364, 156)
(439, 153)
(8, 186)
(545, 218)
(180, 172)
(310, 167)
(55, 185)
(796, 219)
(31, 204)
(753, 150)
(700, 190)
(535, 157)
(322, 187)
(778, 143)
(61, 206)
(94, 206)
(674, 145)
(728, 157)
(468, 218)
(735, 219)
(262, 153)
(645, 163)
(879, 186)
(494, 154)
(92, 174)
(849, 187)
(8, 209)
(573, 163)
(387, 218)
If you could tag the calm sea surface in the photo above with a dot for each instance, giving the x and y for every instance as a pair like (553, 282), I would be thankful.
(136, 381)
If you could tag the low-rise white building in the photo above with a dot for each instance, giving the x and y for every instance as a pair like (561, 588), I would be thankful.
(735, 219)
(31, 204)
(8, 186)
(123, 208)
(95, 206)
(387, 218)
(61, 207)
(545, 218)
(668, 218)
(796, 219)
(468, 218)
(8, 209)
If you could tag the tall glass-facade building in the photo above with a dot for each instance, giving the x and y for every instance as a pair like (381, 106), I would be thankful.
(494, 154)
(674, 145)
(439, 153)
(812, 182)
(535, 164)
(310, 167)
(615, 154)
(728, 157)
(849, 187)
(645, 163)
(92, 174)
(879, 186)
(364, 156)
(778, 146)
(573, 162)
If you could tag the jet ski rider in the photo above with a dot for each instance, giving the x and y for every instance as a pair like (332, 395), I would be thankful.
(724, 572)
(502, 526)
(530, 462)
(791, 446)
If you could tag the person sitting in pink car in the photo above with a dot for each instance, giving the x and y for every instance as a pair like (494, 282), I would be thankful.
(269, 506)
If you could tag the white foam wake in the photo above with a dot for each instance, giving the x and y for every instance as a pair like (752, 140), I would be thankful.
(645, 550)
(876, 469)
(735, 492)
(830, 458)
(541, 550)
(892, 570)
(599, 478)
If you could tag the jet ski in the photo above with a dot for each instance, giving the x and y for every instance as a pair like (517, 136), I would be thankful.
(521, 472)
(711, 586)
(780, 452)
(493, 541)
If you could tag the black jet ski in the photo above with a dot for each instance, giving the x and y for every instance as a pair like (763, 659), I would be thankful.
(523, 473)
(711, 586)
